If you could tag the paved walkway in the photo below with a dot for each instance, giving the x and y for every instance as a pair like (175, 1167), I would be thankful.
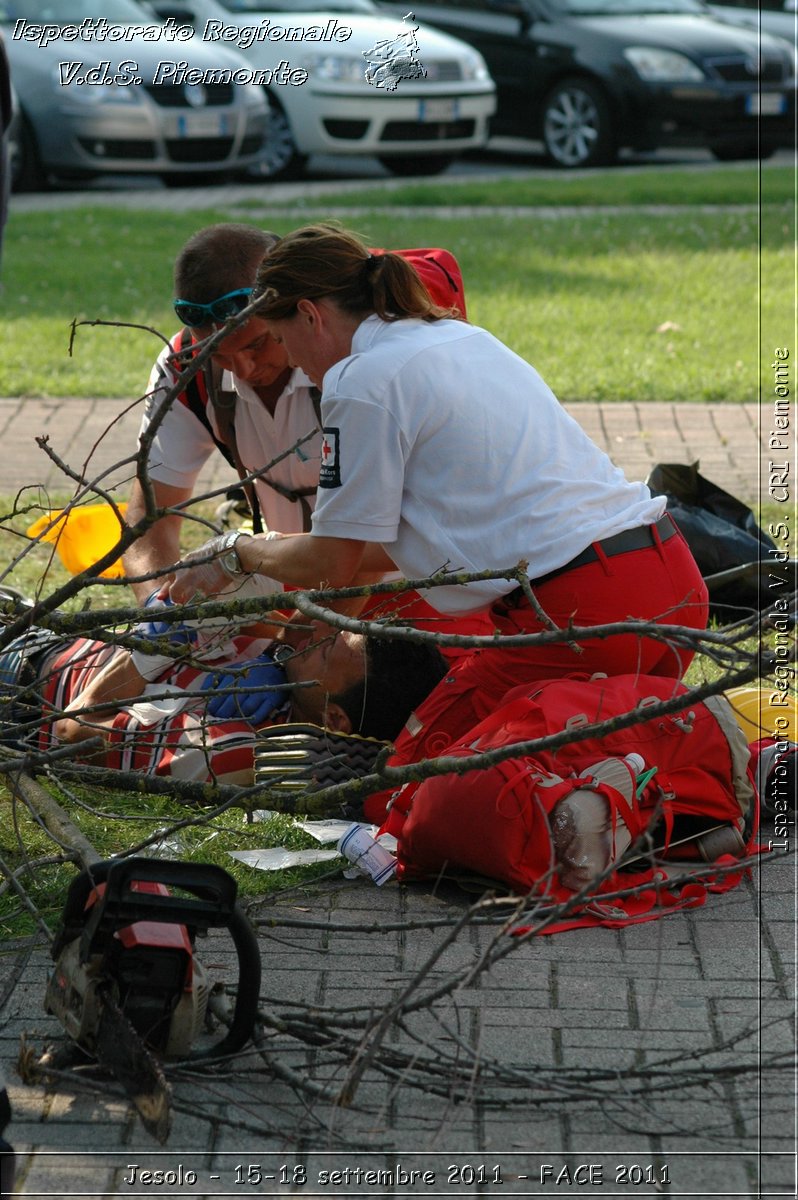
(563, 1030)
(728, 440)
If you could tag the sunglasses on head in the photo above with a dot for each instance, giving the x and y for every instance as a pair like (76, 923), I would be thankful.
(218, 311)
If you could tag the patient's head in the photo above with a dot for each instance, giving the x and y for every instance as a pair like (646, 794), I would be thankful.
(366, 685)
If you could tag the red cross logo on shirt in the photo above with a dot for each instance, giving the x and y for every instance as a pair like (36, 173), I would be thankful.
(329, 468)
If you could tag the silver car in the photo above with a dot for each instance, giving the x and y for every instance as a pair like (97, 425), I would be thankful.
(105, 87)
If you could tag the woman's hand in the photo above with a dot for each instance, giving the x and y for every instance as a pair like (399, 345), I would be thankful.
(205, 571)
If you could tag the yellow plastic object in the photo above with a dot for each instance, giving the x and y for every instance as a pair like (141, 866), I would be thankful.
(82, 536)
(761, 713)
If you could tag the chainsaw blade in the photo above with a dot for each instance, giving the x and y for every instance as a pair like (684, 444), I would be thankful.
(122, 1051)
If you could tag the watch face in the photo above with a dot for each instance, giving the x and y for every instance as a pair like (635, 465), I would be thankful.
(231, 562)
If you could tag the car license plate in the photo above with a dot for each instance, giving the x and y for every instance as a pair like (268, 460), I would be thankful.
(197, 125)
(437, 110)
(766, 104)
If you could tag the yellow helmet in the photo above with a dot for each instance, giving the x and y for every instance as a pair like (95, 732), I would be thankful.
(759, 717)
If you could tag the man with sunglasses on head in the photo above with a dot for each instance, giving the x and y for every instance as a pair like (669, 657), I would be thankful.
(249, 402)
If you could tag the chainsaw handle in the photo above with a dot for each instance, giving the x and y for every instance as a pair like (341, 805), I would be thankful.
(216, 907)
(248, 994)
(73, 918)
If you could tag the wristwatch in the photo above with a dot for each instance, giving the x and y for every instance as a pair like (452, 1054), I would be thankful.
(229, 555)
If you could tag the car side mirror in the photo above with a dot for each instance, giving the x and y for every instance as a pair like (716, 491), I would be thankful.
(514, 8)
(174, 12)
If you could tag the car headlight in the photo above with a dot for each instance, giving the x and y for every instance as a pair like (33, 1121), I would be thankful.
(475, 69)
(661, 65)
(110, 86)
(336, 68)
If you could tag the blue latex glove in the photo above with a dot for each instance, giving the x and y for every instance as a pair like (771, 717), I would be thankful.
(228, 703)
(174, 633)
(170, 635)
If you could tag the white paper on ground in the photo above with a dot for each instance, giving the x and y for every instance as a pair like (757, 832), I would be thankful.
(277, 858)
(326, 831)
(333, 831)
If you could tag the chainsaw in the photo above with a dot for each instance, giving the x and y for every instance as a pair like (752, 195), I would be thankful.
(126, 985)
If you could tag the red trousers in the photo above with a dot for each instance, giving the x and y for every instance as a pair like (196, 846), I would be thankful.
(660, 584)
(411, 608)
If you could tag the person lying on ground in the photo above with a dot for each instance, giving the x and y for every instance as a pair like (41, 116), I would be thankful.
(198, 721)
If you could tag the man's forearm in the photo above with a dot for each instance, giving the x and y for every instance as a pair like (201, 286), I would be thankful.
(117, 683)
(148, 558)
(159, 545)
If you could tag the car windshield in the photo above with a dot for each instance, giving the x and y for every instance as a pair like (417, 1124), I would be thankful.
(289, 6)
(621, 8)
(72, 12)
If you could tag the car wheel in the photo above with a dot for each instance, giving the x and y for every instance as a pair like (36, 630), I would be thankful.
(577, 125)
(728, 152)
(281, 159)
(27, 172)
(422, 164)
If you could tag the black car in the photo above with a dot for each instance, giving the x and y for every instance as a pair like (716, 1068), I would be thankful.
(589, 77)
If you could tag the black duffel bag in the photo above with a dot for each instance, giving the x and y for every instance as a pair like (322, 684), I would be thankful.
(737, 559)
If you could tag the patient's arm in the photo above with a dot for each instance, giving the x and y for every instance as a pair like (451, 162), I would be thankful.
(115, 685)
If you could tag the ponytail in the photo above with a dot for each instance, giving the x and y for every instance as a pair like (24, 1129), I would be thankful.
(327, 261)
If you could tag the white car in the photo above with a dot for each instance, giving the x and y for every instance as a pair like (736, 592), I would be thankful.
(98, 95)
(342, 77)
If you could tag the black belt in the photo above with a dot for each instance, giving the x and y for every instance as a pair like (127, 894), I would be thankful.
(639, 538)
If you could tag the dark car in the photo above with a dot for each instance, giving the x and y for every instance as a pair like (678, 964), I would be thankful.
(779, 21)
(589, 77)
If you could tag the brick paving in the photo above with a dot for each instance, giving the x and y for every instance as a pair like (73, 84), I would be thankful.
(729, 441)
(712, 983)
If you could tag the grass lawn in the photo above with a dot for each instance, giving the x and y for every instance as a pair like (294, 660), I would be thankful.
(636, 186)
(668, 306)
(114, 822)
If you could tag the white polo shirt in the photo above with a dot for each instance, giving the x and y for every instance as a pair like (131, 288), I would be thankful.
(445, 446)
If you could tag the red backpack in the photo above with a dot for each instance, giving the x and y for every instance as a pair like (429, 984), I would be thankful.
(440, 273)
(511, 821)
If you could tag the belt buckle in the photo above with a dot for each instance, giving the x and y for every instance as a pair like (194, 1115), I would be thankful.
(505, 604)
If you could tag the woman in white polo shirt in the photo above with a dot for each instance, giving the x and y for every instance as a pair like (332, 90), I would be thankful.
(444, 450)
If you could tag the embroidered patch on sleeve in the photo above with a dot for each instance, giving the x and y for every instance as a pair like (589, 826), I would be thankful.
(330, 470)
